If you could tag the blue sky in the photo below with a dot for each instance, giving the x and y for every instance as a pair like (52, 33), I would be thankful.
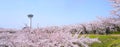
(13, 13)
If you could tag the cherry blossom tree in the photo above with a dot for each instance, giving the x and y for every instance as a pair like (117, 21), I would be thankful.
(39, 38)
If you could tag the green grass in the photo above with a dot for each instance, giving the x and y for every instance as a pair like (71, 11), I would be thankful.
(115, 32)
(112, 40)
(115, 43)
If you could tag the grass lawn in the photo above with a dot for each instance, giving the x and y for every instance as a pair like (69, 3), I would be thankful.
(111, 40)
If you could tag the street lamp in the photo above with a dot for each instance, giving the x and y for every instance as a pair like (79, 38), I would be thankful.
(30, 16)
